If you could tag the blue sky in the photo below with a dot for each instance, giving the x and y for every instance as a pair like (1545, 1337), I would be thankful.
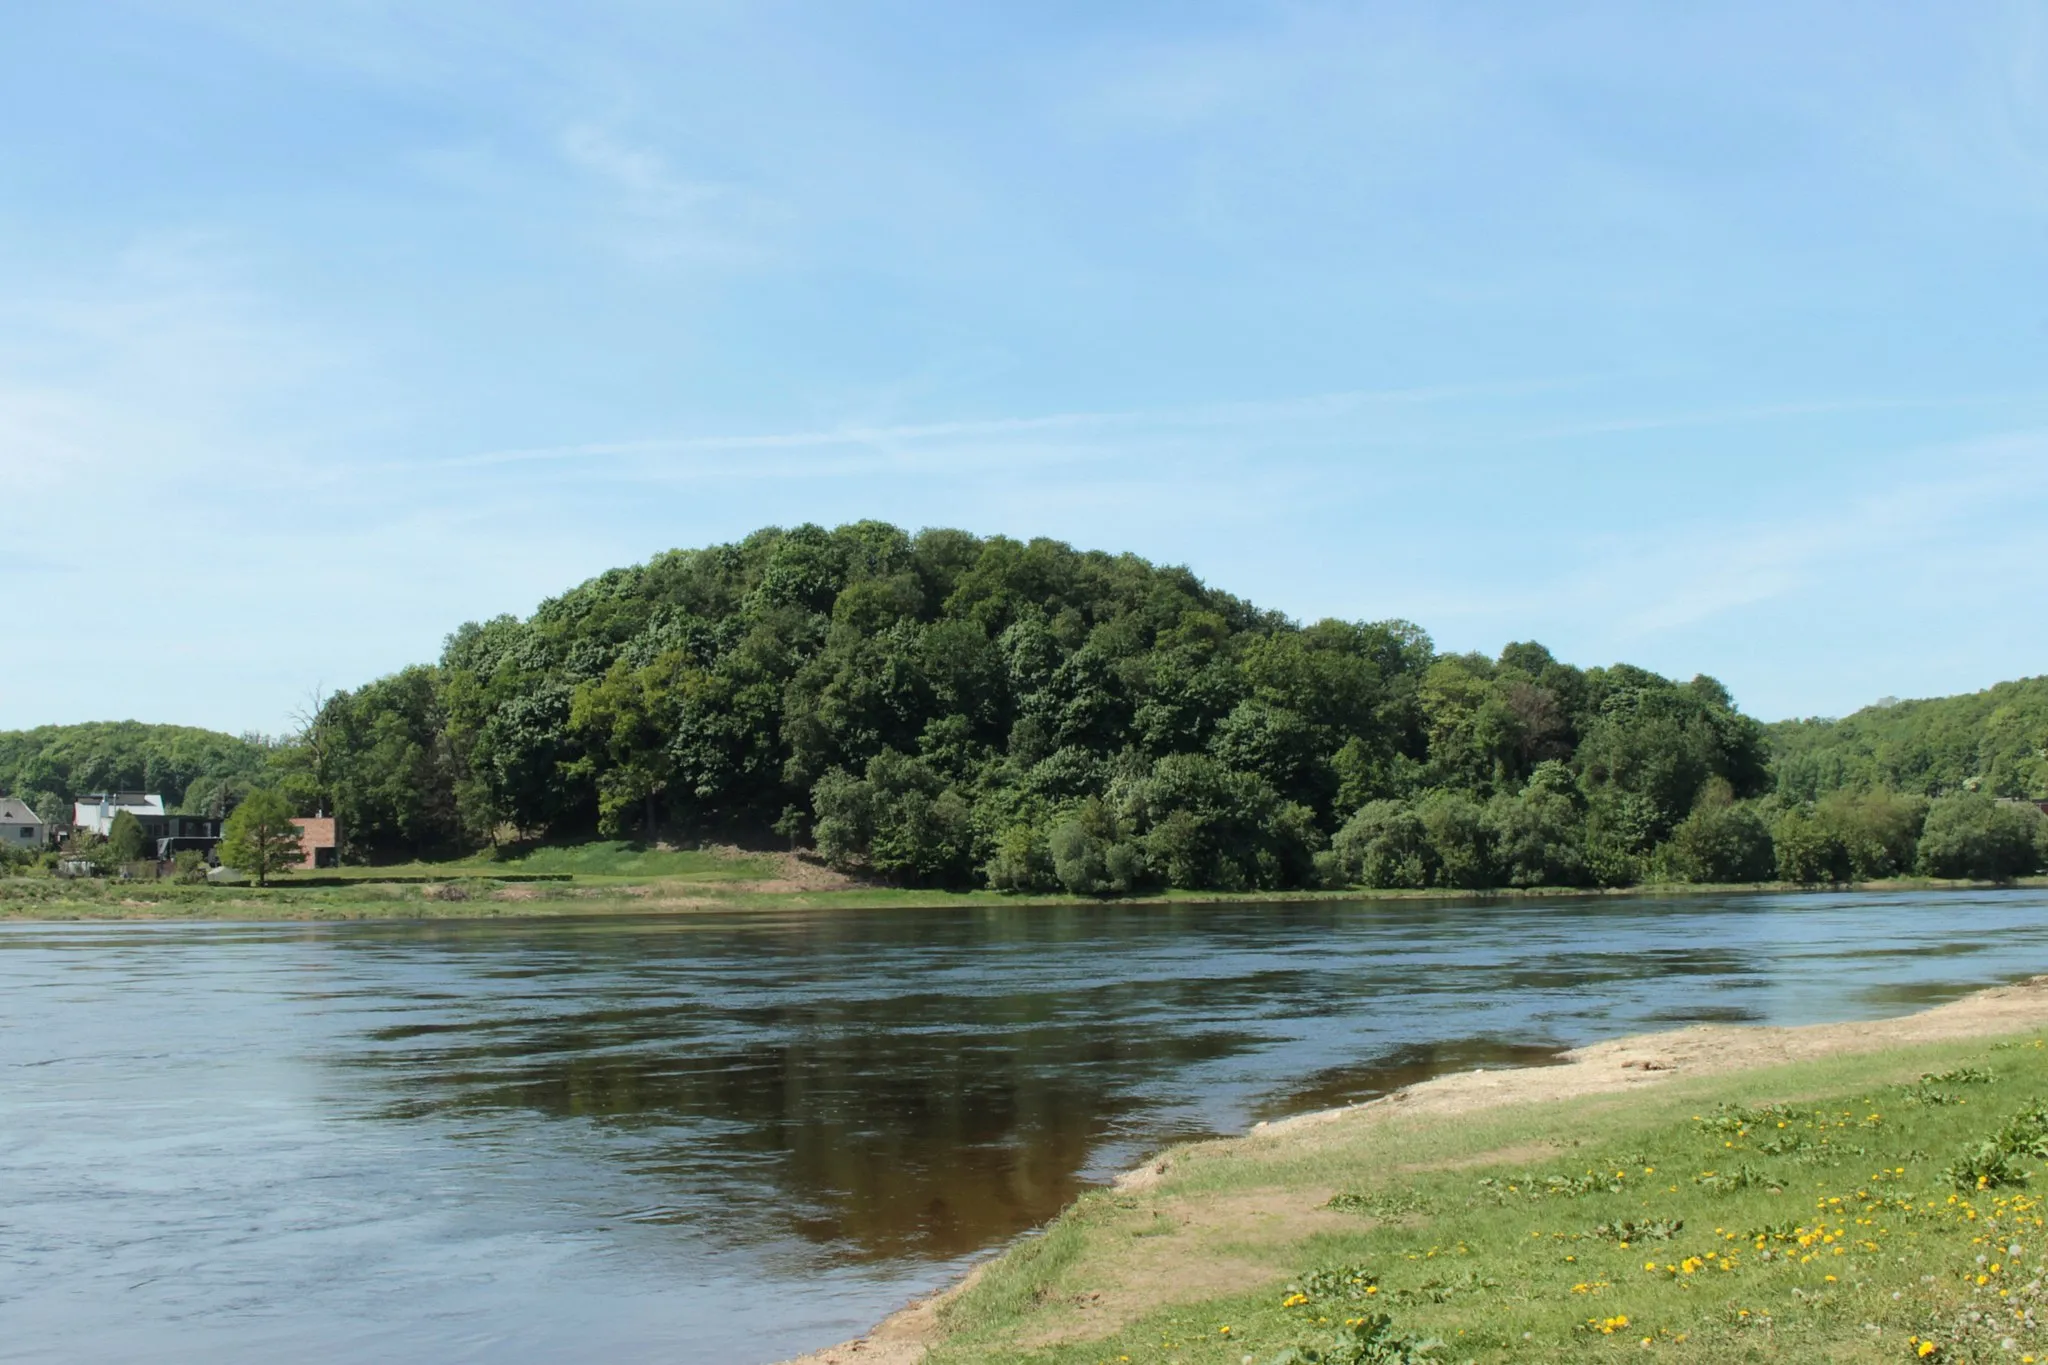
(1711, 338)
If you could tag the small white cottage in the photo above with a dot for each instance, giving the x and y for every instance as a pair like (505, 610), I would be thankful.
(19, 827)
(95, 811)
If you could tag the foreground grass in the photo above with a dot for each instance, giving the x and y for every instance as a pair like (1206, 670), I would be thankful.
(1823, 1211)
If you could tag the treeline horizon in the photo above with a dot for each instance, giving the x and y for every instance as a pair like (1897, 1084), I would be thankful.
(947, 710)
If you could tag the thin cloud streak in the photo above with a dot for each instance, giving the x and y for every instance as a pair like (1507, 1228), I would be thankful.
(1227, 414)
(1763, 413)
(1303, 409)
(1651, 585)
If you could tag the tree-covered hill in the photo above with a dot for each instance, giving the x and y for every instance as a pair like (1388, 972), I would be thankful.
(1995, 741)
(944, 709)
(51, 765)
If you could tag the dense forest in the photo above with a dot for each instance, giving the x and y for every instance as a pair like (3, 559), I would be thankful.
(945, 710)
(1994, 741)
(196, 770)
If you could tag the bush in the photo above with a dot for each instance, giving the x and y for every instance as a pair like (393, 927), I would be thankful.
(189, 866)
(1879, 831)
(900, 820)
(1539, 835)
(1970, 835)
(1185, 821)
(1458, 831)
(1719, 842)
(1808, 851)
(1201, 824)
(1384, 846)
(1022, 861)
(1090, 854)
(1620, 834)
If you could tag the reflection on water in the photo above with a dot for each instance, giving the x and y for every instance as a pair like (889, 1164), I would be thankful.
(616, 1139)
(1353, 1084)
(1707, 1014)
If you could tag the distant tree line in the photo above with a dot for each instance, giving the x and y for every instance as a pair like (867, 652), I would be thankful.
(1994, 741)
(196, 771)
(945, 710)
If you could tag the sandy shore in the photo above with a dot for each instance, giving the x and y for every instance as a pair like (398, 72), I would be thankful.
(1604, 1068)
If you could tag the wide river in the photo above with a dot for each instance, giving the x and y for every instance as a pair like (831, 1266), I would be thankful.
(727, 1138)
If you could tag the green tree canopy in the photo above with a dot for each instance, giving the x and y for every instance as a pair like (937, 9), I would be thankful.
(125, 840)
(1994, 741)
(944, 709)
(1972, 835)
(262, 837)
(53, 765)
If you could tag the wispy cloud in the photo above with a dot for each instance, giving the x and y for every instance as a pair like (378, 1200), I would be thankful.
(1928, 519)
(1310, 407)
(1914, 527)
(1751, 413)
(1472, 419)
(159, 342)
(658, 216)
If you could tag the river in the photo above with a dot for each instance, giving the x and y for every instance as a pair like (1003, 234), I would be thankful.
(727, 1138)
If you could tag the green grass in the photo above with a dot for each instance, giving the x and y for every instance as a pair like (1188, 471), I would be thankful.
(635, 861)
(602, 859)
(1686, 1222)
(613, 877)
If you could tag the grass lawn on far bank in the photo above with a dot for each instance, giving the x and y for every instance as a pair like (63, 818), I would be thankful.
(614, 877)
(612, 860)
(1881, 1207)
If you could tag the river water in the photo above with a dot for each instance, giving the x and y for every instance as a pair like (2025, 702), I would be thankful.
(727, 1138)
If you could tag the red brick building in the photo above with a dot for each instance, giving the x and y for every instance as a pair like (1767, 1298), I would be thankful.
(320, 837)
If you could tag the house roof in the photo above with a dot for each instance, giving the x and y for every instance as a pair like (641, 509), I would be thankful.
(142, 803)
(13, 812)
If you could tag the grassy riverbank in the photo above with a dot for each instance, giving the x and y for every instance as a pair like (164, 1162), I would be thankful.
(625, 878)
(476, 889)
(1718, 1194)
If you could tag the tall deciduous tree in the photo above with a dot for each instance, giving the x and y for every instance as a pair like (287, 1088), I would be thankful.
(262, 838)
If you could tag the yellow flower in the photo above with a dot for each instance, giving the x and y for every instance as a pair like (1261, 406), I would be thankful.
(1926, 1349)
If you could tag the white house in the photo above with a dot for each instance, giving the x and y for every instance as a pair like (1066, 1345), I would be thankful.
(95, 812)
(19, 827)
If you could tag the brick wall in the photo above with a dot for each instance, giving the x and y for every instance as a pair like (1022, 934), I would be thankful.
(316, 833)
